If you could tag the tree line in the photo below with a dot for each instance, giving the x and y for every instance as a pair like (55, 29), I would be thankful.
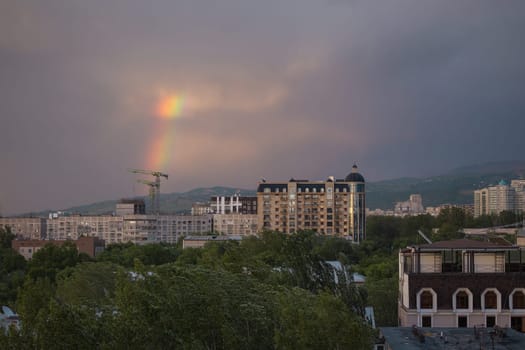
(273, 291)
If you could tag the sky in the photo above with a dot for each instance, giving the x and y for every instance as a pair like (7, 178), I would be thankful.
(228, 92)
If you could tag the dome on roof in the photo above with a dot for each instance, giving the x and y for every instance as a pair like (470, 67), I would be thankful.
(354, 176)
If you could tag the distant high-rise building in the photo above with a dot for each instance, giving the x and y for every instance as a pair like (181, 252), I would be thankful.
(495, 199)
(234, 204)
(131, 207)
(413, 206)
(331, 207)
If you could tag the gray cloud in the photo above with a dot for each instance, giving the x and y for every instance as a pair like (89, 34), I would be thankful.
(277, 89)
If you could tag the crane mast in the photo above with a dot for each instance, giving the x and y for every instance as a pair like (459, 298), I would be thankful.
(154, 186)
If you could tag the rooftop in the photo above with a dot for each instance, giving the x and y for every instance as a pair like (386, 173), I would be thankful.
(462, 244)
(408, 338)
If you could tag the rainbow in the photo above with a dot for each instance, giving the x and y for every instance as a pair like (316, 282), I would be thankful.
(167, 108)
(170, 106)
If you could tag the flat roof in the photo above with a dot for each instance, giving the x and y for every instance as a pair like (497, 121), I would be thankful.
(463, 244)
(214, 238)
(404, 338)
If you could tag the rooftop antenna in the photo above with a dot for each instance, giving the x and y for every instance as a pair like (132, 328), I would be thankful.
(424, 237)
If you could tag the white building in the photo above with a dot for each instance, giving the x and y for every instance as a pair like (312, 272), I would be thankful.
(414, 206)
(495, 199)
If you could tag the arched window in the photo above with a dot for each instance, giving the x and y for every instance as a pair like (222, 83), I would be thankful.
(491, 300)
(462, 300)
(518, 300)
(427, 300)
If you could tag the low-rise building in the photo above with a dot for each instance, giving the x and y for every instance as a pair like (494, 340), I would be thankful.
(462, 283)
(88, 245)
(200, 241)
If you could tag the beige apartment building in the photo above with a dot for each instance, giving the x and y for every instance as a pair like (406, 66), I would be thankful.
(26, 228)
(138, 228)
(107, 227)
(331, 207)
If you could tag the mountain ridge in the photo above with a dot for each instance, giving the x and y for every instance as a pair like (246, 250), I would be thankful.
(454, 187)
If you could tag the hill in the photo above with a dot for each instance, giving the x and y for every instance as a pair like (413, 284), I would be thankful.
(455, 187)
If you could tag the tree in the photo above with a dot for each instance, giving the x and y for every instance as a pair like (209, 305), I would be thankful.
(51, 259)
(6, 237)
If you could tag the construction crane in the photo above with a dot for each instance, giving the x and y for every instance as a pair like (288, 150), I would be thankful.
(154, 186)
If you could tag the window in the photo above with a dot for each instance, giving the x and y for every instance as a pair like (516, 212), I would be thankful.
(462, 321)
(462, 300)
(426, 321)
(518, 300)
(491, 300)
(426, 300)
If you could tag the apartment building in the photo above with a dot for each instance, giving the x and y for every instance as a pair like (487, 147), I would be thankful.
(331, 207)
(107, 227)
(462, 283)
(171, 227)
(137, 228)
(495, 199)
(26, 228)
(414, 206)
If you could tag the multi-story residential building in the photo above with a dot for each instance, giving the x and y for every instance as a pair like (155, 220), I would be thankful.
(462, 283)
(129, 228)
(519, 187)
(171, 227)
(331, 207)
(413, 206)
(109, 228)
(495, 199)
(233, 204)
(235, 224)
(26, 228)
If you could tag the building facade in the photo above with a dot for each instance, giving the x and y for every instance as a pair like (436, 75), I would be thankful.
(137, 228)
(131, 207)
(331, 207)
(25, 228)
(88, 245)
(495, 199)
(414, 206)
(235, 224)
(234, 204)
(462, 283)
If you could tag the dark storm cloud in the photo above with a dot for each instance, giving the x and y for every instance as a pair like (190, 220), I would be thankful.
(274, 89)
